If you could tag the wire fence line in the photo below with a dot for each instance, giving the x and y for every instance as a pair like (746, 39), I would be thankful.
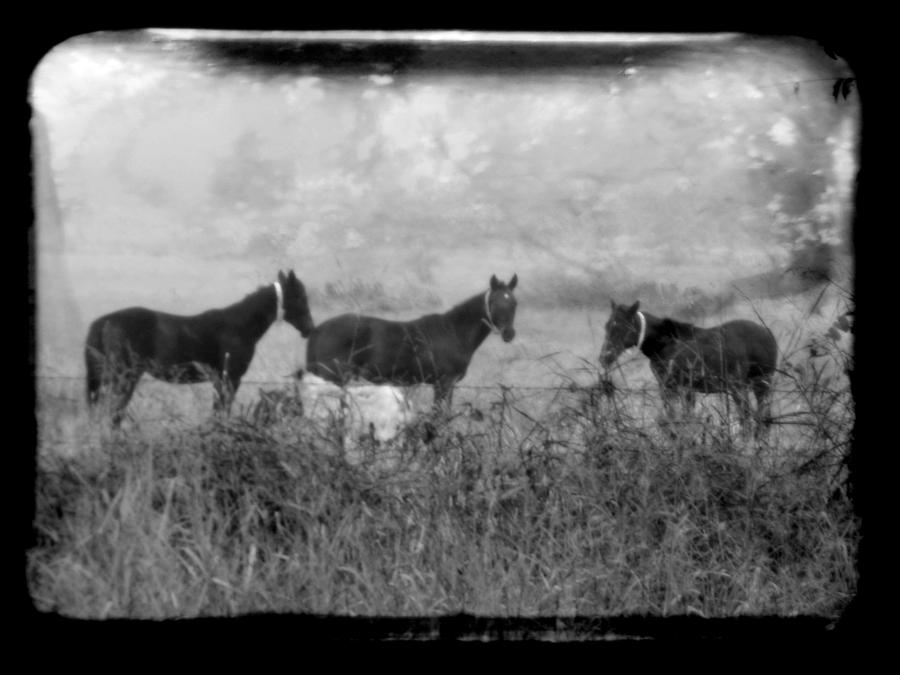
(570, 385)
(287, 380)
(828, 412)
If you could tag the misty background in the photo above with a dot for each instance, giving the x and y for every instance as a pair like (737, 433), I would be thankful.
(179, 172)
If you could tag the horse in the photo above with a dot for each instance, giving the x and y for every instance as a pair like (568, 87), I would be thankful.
(434, 349)
(216, 345)
(731, 358)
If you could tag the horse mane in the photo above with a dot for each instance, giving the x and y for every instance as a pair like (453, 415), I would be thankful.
(242, 307)
(469, 305)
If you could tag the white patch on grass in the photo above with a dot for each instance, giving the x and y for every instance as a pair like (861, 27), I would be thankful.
(784, 132)
(382, 410)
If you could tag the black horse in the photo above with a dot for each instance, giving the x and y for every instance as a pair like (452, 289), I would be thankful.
(731, 358)
(216, 345)
(434, 349)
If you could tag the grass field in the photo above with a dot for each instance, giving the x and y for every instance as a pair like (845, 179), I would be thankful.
(550, 501)
(557, 341)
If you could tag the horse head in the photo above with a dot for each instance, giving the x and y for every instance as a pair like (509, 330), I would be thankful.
(500, 307)
(295, 304)
(623, 330)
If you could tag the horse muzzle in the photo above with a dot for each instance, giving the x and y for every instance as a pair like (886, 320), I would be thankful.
(508, 334)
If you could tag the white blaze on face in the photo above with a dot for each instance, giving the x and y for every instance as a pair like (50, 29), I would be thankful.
(384, 407)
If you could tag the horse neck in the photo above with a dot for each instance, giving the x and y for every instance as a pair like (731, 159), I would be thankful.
(468, 321)
(255, 313)
(654, 341)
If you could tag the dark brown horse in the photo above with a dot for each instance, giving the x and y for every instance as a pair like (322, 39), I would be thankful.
(216, 345)
(731, 358)
(434, 349)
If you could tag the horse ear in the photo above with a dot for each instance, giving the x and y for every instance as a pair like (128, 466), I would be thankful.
(495, 284)
(612, 304)
(512, 282)
(291, 276)
(634, 308)
(281, 278)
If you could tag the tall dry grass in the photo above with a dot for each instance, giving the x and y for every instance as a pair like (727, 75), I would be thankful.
(577, 504)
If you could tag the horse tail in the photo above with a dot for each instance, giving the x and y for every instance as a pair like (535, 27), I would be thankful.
(93, 358)
(773, 351)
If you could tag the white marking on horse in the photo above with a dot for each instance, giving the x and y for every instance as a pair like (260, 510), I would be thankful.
(279, 302)
(489, 321)
(643, 332)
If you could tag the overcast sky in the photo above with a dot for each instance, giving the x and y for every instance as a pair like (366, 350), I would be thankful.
(723, 148)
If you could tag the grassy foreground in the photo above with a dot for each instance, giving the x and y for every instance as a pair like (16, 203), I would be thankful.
(578, 508)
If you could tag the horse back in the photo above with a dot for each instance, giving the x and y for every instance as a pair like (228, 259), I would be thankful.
(375, 349)
(712, 359)
(128, 330)
(138, 335)
(338, 345)
(755, 341)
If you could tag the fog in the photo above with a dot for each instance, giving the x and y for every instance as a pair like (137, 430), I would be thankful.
(177, 171)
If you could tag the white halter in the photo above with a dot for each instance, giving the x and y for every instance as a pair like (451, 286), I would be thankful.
(279, 302)
(643, 332)
(487, 310)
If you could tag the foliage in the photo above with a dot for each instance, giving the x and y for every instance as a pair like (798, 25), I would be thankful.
(580, 507)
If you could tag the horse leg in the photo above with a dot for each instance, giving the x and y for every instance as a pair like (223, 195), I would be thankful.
(225, 388)
(98, 381)
(440, 409)
(121, 369)
(762, 388)
(443, 397)
(122, 388)
(741, 398)
(688, 401)
(669, 397)
(94, 381)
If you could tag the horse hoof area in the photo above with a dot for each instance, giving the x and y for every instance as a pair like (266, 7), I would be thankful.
(429, 432)
(606, 387)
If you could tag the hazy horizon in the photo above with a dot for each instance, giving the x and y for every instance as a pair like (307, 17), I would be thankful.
(180, 176)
